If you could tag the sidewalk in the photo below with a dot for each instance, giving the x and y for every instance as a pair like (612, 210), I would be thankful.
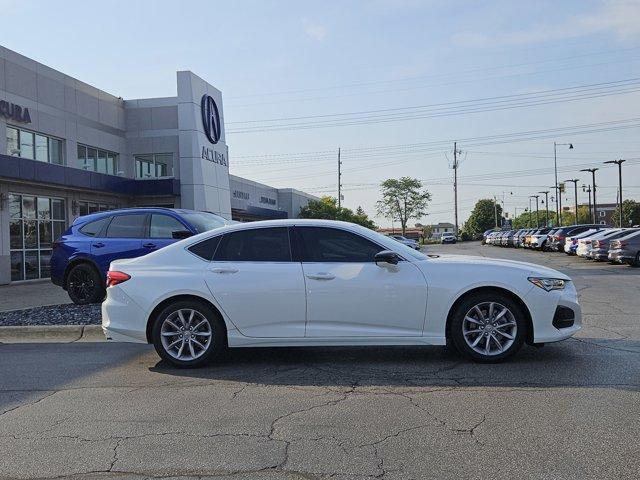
(31, 294)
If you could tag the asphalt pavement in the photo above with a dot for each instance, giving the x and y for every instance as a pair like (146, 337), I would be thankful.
(569, 410)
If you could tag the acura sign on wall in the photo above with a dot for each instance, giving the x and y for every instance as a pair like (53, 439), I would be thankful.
(211, 119)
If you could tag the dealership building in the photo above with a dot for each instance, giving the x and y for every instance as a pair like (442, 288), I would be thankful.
(68, 149)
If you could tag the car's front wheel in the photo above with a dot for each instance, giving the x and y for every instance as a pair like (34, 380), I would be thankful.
(188, 334)
(488, 327)
(84, 285)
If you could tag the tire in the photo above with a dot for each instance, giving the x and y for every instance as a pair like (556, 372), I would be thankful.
(636, 262)
(185, 348)
(84, 285)
(513, 321)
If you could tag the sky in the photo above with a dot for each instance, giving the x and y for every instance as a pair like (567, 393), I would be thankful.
(391, 83)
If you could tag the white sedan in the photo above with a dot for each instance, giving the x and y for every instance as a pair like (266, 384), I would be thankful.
(326, 283)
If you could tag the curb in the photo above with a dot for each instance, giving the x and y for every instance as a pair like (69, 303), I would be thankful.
(52, 334)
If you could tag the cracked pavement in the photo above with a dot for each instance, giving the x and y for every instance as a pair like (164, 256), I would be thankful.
(568, 410)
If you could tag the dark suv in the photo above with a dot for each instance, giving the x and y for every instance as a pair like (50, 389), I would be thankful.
(81, 256)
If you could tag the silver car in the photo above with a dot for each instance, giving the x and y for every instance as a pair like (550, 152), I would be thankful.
(406, 241)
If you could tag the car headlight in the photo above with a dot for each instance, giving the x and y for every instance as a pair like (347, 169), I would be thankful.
(548, 284)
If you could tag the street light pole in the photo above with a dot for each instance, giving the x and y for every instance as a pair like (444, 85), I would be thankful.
(593, 175)
(619, 163)
(495, 209)
(546, 203)
(588, 190)
(575, 188)
(529, 215)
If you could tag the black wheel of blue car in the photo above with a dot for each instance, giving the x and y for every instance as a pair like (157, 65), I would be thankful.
(488, 327)
(84, 285)
(636, 262)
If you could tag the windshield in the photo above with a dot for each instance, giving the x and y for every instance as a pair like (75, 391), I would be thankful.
(205, 221)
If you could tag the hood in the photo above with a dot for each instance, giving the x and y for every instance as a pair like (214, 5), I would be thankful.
(525, 267)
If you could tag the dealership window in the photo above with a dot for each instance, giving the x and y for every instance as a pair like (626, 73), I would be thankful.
(34, 224)
(87, 208)
(602, 214)
(34, 146)
(154, 165)
(97, 160)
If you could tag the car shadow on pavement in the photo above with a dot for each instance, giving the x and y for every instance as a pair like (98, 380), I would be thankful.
(583, 363)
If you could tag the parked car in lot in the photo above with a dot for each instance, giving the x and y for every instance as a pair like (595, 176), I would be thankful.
(539, 239)
(585, 244)
(571, 242)
(81, 256)
(406, 241)
(600, 248)
(626, 249)
(190, 299)
(557, 240)
(448, 237)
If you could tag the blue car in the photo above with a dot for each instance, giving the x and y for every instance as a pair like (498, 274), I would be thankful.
(81, 256)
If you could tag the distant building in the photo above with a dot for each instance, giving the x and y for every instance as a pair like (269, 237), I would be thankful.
(415, 233)
(604, 212)
(438, 229)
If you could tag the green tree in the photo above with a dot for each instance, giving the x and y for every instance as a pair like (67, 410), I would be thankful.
(403, 199)
(630, 214)
(483, 217)
(327, 209)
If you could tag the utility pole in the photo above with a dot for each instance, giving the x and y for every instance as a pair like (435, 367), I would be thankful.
(495, 209)
(537, 219)
(593, 185)
(529, 222)
(557, 187)
(339, 180)
(546, 203)
(455, 184)
(619, 163)
(575, 189)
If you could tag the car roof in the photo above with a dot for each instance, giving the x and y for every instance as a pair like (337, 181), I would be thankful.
(117, 211)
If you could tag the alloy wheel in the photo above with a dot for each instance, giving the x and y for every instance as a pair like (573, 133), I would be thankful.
(489, 328)
(186, 334)
(81, 283)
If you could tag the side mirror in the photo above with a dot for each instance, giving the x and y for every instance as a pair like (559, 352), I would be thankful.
(386, 256)
(181, 234)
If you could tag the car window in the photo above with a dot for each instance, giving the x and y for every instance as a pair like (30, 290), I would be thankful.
(127, 226)
(92, 229)
(204, 221)
(256, 245)
(206, 248)
(163, 226)
(321, 244)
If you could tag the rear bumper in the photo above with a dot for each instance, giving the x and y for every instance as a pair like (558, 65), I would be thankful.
(620, 256)
(122, 319)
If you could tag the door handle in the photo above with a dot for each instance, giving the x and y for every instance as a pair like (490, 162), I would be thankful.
(98, 244)
(149, 245)
(224, 270)
(321, 276)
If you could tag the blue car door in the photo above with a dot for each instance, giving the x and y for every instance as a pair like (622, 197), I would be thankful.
(161, 231)
(123, 238)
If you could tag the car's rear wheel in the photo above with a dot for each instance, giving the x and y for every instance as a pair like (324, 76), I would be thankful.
(488, 327)
(84, 285)
(188, 334)
(636, 262)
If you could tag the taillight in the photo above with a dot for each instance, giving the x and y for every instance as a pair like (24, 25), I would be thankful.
(115, 278)
(622, 244)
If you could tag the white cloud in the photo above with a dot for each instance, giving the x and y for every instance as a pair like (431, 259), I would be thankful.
(314, 30)
(618, 17)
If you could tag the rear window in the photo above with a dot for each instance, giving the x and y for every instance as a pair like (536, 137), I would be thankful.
(92, 229)
(206, 249)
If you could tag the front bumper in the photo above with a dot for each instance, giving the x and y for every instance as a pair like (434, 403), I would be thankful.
(545, 307)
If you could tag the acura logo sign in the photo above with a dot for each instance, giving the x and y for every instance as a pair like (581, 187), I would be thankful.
(210, 118)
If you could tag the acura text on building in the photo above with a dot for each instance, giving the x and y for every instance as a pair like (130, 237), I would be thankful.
(14, 112)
